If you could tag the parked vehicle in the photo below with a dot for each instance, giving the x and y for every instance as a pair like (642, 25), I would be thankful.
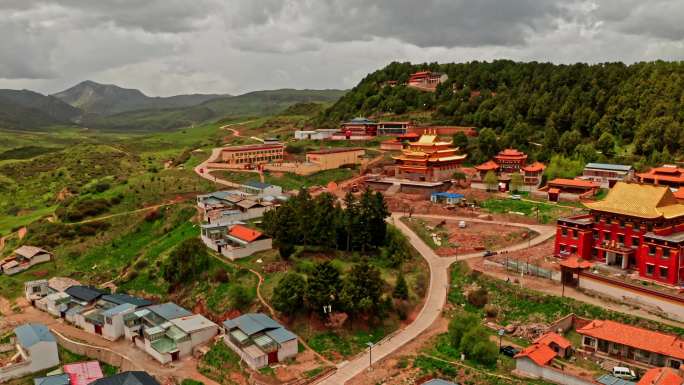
(624, 373)
(489, 253)
(461, 225)
(509, 351)
(515, 197)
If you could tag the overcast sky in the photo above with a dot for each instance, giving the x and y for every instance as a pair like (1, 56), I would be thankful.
(166, 47)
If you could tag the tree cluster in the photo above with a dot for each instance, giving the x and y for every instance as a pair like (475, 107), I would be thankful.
(321, 221)
(582, 111)
(467, 334)
(186, 263)
(358, 292)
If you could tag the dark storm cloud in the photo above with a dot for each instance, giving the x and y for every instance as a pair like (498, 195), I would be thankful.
(654, 18)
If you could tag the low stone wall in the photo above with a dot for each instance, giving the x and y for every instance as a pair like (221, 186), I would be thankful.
(97, 353)
(568, 323)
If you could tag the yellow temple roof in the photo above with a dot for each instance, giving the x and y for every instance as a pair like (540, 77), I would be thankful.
(640, 200)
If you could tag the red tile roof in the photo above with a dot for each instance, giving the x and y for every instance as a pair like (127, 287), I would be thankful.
(511, 153)
(661, 376)
(679, 194)
(539, 353)
(554, 190)
(635, 337)
(576, 263)
(245, 233)
(549, 338)
(562, 182)
(534, 167)
(488, 165)
(83, 373)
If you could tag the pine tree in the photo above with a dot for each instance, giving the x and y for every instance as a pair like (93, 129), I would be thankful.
(323, 287)
(401, 288)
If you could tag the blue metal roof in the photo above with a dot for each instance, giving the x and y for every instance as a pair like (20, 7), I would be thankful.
(121, 298)
(31, 334)
(252, 323)
(118, 309)
(439, 381)
(361, 121)
(256, 184)
(281, 335)
(606, 166)
(57, 379)
(607, 379)
(169, 311)
(448, 195)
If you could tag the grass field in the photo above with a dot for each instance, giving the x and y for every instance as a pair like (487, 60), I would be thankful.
(545, 212)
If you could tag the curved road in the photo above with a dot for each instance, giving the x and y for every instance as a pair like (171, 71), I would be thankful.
(436, 295)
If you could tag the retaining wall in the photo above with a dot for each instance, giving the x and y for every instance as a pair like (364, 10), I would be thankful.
(97, 353)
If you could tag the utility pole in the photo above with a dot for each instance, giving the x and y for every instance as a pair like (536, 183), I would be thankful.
(370, 355)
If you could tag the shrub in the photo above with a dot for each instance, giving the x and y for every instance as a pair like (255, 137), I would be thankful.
(221, 275)
(478, 297)
(239, 297)
(491, 310)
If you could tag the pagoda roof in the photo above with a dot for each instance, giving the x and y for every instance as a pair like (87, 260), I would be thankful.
(511, 153)
(534, 167)
(488, 165)
(640, 200)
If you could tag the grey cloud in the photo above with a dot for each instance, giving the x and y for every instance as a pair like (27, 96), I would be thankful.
(655, 18)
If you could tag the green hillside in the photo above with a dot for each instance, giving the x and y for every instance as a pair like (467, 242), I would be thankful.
(27, 110)
(604, 111)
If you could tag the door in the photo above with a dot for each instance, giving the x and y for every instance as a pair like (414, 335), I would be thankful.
(273, 357)
(98, 329)
(175, 355)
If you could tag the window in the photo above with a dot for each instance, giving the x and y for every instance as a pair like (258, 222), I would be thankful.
(621, 238)
(564, 231)
(606, 235)
(574, 234)
(635, 241)
(663, 272)
(675, 364)
(36, 289)
(650, 269)
(588, 341)
(596, 235)
(594, 253)
(666, 253)
(651, 250)
(622, 224)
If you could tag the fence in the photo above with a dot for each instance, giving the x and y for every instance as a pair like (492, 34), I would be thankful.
(527, 269)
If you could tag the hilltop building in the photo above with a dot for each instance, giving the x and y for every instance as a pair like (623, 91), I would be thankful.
(428, 159)
(426, 80)
(356, 129)
(511, 161)
(636, 227)
(394, 128)
(234, 241)
(24, 258)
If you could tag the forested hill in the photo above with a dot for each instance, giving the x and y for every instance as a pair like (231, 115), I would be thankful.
(633, 111)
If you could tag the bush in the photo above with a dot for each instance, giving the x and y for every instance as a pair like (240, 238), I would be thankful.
(478, 297)
(484, 352)
(239, 297)
(101, 187)
(221, 275)
(491, 310)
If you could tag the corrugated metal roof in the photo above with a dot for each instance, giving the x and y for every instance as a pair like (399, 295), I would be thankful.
(606, 166)
(57, 379)
(121, 298)
(252, 323)
(31, 334)
(169, 311)
(263, 341)
(127, 378)
(118, 309)
(281, 335)
(84, 293)
(193, 323)
(607, 379)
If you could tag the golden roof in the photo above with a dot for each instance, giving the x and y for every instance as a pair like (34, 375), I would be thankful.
(640, 200)
(431, 140)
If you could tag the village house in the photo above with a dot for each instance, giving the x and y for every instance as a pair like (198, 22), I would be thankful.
(225, 207)
(36, 350)
(35, 290)
(612, 339)
(259, 340)
(261, 189)
(559, 344)
(168, 332)
(606, 175)
(53, 379)
(83, 373)
(511, 161)
(394, 128)
(636, 227)
(127, 378)
(428, 159)
(24, 258)
(234, 241)
(570, 189)
(534, 360)
(250, 155)
(447, 197)
(55, 304)
(665, 175)
(84, 295)
(532, 173)
(356, 129)
(661, 376)
(105, 317)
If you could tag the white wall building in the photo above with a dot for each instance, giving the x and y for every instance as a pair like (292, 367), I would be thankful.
(36, 351)
(259, 340)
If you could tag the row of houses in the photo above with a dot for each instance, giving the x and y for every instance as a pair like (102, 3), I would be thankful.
(165, 331)
(658, 356)
(252, 201)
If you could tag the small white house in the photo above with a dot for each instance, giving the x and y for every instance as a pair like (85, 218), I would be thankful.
(36, 350)
(56, 304)
(259, 340)
(24, 258)
(35, 290)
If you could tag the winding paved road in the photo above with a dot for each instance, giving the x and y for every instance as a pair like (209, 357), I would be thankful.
(436, 295)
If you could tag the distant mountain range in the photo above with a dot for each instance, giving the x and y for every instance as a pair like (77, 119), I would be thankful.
(112, 107)
(108, 99)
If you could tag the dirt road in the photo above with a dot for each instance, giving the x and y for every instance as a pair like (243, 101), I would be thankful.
(434, 302)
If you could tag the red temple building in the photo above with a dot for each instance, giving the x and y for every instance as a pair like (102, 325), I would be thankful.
(636, 227)
(532, 174)
(357, 129)
(511, 160)
(426, 79)
(666, 175)
(428, 159)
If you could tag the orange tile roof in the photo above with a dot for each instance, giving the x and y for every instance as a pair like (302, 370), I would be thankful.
(679, 194)
(554, 190)
(539, 353)
(488, 165)
(245, 233)
(534, 167)
(635, 337)
(661, 376)
(549, 338)
(511, 153)
(562, 182)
